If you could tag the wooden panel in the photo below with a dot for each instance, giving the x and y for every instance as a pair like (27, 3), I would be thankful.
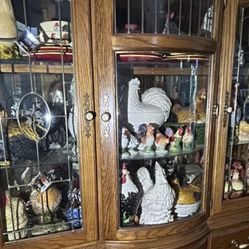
(221, 239)
(42, 68)
(162, 43)
(190, 239)
(104, 80)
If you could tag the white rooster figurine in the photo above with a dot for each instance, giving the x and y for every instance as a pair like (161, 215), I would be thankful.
(154, 107)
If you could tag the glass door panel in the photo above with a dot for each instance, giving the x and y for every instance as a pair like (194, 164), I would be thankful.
(161, 133)
(181, 17)
(39, 161)
(237, 167)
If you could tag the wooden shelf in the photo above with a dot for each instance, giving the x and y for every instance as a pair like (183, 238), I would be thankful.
(201, 71)
(35, 68)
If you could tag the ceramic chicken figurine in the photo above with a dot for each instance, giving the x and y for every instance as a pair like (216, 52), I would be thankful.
(129, 197)
(175, 146)
(16, 218)
(188, 141)
(129, 143)
(154, 106)
(160, 142)
(158, 199)
(133, 144)
(147, 141)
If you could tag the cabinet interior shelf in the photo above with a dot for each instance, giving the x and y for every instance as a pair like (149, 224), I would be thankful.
(35, 68)
(201, 71)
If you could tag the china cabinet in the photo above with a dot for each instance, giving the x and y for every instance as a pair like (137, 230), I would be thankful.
(114, 122)
(230, 175)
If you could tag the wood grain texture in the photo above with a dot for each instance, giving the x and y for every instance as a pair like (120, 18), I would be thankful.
(220, 239)
(104, 81)
(84, 79)
(42, 68)
(163, 43)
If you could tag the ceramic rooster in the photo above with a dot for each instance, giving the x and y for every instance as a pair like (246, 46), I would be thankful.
(160, 142)
(129, 143)
(188, 140)
(153, 108)
(158, 199)
(175, 145)
(147, 141)
(129, 197)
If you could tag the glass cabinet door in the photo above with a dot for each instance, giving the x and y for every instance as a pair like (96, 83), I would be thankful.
(161, 101)
(162, 116)
(236, 169)
(40, 169)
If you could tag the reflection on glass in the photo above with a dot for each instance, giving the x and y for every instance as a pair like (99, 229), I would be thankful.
(237, 167)
(162, 114)
(39, 167)
(181, 17)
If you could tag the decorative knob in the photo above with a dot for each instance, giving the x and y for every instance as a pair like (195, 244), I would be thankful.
(90, 115)
(106, 116)
(229, 109)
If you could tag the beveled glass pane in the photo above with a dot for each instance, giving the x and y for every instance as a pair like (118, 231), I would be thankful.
(161, 134)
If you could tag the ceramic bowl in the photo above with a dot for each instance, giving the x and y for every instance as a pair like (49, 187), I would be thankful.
(187, 210)
(54, 30)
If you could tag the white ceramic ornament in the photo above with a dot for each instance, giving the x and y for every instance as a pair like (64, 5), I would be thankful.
(154, 106)
(158, 199)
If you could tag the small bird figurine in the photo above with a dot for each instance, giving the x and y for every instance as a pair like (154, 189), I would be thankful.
(161, 142)
(147, 141)
(188, 141)
(175, 145)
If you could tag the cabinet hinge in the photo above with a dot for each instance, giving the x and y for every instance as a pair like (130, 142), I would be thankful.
(211, 203)
(215, 110)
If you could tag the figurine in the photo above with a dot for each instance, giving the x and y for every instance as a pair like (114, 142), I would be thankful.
(147, 141)
(158, 199)
(130, 197)
(175, 145)
(188, 141)
(47, 202)
(124, 142)
(16, 217)
(154, 107)
(161, 142)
